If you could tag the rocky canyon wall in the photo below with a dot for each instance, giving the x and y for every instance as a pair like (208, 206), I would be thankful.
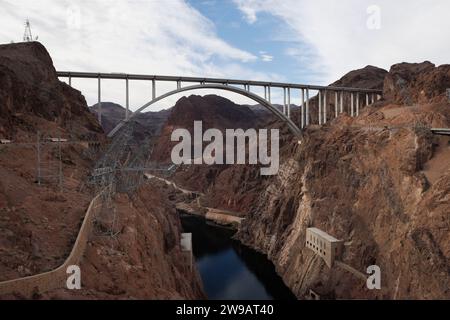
(380, 182)
(142, 258)
(369, 182)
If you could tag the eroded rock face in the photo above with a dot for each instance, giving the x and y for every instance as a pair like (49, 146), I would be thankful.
(364, 180)
(365, 185)
(417, 83)
(39, 224)
(366, 188)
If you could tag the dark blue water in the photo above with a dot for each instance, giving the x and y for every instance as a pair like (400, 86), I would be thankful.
(230, 270)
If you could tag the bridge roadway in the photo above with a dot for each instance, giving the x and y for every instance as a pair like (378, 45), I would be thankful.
(233, 85)
(124, 76)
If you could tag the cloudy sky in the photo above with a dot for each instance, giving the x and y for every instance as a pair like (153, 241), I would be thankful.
(304, 41)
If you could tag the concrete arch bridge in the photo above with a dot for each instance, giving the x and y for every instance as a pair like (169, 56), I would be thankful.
(358, 97)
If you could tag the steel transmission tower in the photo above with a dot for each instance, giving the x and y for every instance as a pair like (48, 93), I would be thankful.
(27, 35)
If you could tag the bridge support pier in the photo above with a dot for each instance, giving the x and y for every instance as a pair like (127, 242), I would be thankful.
(127, 113)
(307, 108)
(357, 104)
(99, 91)
(320, 107)
(352, 104)
(153, 89)
(302, 111)
(289, 103)
(336, 111)
(325, 107)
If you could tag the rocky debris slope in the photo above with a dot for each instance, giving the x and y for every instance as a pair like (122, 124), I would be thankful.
(143, 260)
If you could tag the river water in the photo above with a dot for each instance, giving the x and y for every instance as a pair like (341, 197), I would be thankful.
(230, 270)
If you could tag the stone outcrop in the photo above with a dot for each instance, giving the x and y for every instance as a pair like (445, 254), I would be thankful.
(369, 77)
(417, 83)
(32, 98)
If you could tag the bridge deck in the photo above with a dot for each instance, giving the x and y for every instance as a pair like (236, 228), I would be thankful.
(124, 76)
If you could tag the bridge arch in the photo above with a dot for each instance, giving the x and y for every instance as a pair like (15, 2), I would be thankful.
(280, 115)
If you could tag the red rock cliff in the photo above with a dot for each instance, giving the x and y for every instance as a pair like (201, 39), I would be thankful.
(380, 182)
(39, 224)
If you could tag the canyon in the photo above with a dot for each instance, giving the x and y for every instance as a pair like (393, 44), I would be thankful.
(380, 182)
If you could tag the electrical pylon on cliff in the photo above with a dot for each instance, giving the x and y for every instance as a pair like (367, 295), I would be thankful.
(27, 35)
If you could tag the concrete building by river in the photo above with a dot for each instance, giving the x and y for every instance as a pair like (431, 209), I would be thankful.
(324, 245)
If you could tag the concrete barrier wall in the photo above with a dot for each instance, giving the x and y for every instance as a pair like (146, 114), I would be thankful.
(55, 279)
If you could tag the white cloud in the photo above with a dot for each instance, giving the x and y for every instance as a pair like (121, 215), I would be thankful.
(249, 8)
(144, 37)
(265, 56)
(333, 37)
